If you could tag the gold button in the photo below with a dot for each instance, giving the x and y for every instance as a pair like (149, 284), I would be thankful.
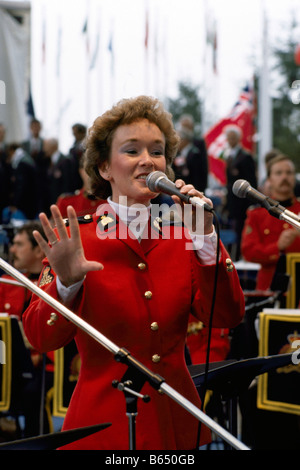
(142, 266)
(52, 320)
(266, 231)
(148, 294)
(7, 306)
(229, 265)
(154, 326)
(156, 358)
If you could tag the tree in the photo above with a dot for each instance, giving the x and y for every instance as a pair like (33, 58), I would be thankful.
(187, 102)
(286, 111)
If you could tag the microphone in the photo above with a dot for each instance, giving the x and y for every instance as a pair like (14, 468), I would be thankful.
(243, 189)
(158, 182)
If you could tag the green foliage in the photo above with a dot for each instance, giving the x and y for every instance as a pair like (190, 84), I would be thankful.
(187, 102)
(286, 114)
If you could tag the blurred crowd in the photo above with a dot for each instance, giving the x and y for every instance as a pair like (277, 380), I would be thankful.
(34, 173)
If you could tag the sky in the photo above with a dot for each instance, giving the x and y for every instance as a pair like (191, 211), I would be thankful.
(77, 72)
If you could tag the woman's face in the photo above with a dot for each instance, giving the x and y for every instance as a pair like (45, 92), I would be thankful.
(137, 149)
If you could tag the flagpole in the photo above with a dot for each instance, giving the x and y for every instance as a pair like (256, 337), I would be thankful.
(43, 68)
(146, 44)
(112, 63)
(264, 103)
(87, 55)
(58, 77)
(98, 65)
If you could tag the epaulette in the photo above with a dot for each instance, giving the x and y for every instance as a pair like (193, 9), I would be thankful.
(84, 219)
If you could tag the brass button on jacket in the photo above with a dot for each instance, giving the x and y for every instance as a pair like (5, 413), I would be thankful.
(154, 326)
(52, 320)
(229, 265)
(148, 294)
(141, 266)
(155, 358)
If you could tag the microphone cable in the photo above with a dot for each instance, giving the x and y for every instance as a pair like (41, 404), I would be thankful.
(217, 228)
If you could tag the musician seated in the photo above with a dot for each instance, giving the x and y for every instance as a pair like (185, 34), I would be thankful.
(26, 256)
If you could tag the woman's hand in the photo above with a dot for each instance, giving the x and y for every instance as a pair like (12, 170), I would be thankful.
(208, 216)
(286, 238)
(65, 253)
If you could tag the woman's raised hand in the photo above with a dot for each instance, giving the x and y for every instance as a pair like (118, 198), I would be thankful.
(64, 251)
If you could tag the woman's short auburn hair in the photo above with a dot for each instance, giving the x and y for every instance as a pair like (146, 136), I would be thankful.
(100, 136)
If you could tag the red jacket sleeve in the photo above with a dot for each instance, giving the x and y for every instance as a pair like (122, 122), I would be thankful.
(226, 314)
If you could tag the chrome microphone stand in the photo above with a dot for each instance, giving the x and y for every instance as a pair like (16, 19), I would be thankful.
(122, 355)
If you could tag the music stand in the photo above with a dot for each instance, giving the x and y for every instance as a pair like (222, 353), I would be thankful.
(54, 440)
(231, 378)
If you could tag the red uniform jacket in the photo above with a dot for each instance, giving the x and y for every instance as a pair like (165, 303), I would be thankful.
(13, 298)
(141, 301)
(13, 301)
(82, 203)
(259, 241)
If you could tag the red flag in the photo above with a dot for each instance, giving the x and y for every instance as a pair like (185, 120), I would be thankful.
(242, 116)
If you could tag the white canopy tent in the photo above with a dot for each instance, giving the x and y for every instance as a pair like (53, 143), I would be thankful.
(14, 68)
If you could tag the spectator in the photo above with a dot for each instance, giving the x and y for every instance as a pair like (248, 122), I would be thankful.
(191, 164)
(23, 187)
(34, 145)
(59, 174)
(239, 165)
(5, 173)
(76, 153)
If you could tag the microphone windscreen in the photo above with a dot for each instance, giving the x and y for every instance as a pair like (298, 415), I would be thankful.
(153, 178)
(240, 188)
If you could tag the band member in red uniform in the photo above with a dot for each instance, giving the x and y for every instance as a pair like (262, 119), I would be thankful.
(134, 280)
(83, 202)
(27, 257)
(265, 237)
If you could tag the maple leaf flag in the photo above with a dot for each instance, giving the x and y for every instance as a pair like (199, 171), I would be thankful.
(241, 115)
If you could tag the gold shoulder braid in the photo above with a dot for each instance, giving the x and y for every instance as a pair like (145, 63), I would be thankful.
(83, 219)
(47, 276)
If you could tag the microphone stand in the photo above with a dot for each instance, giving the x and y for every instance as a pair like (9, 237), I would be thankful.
(290, 219)
(278, 211)
(140, 371)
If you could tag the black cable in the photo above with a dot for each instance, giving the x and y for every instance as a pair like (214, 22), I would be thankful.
(210, 323)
